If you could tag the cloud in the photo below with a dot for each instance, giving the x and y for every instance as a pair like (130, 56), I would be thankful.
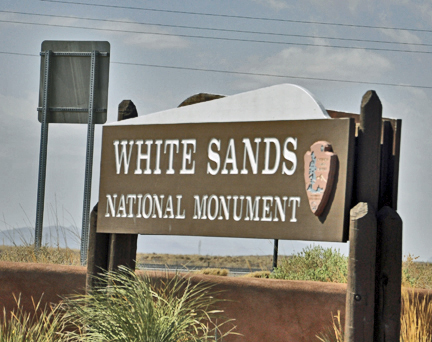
(276, 4)
(401, 36)
(317, 62)
(145, 36)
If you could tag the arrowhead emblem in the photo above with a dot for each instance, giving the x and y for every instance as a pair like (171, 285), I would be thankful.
(320, 170)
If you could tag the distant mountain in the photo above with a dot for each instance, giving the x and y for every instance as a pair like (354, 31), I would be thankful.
(52, 236)
(160, 244)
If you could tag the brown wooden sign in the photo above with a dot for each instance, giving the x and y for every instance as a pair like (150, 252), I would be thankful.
(236, 179)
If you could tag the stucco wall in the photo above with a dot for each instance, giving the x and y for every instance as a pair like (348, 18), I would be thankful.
(264, 310)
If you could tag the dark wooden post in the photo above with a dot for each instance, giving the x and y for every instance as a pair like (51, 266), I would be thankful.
(368, 152)
(388, 276)
(108, 251)
(97, 260)
(123, 247)
(359, 321)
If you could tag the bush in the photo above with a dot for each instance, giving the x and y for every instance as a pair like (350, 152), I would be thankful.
(214, 271)
(132, 308)
(314, 263)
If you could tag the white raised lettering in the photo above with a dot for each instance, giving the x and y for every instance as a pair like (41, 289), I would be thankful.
(157, 170)
(289, 156)
(123, 156)
(212, 210)
(268, 142)
(296, 204)
(157, 205)
(143, 156)
(131, 199)
(111, 205)
(280, 208)
(187, 156)
(169, 208)
(252, 209)
(213, 156)
(223, 205)
(267, 203)
(180, 216)
(200, 208)
(121, 207)
(253, 160)
(171, 143)
(230, 158)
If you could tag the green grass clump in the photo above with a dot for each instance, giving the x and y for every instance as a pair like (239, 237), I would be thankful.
(314, 263)
(132, 308)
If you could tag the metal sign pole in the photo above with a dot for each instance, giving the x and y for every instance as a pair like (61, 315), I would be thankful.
(89, 163)
(42, 156)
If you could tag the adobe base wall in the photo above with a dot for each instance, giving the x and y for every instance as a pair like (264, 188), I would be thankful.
(263, 309)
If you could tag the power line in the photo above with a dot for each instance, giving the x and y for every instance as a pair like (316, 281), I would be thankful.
(219, 38)
(217, 29)
(246, 73)
(240, 16)
(274, 75)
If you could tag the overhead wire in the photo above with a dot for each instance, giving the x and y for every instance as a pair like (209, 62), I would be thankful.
(218, 38)
(240, 16)
(216, 29)
(245, 73)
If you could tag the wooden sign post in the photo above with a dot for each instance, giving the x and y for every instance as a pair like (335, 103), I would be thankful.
(259, 172)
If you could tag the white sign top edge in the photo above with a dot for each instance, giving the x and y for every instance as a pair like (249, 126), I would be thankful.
(279, 102)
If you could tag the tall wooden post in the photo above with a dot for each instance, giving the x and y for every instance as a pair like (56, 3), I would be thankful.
(388, 276)
(359, 322)
(123, 247)
(108, 251)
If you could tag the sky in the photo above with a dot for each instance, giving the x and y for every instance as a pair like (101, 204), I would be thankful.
(165, 51)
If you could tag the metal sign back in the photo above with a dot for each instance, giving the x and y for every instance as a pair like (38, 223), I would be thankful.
(69, 71)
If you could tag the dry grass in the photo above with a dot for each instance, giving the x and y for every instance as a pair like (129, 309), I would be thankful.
(258, 274)
(416, 318)
(334, 333)
(213, 271)
(46, 254)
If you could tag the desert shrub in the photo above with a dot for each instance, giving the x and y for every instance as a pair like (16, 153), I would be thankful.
(416, 274)
(257, 274)
(314, 263)
(214, 271)
(132, 308)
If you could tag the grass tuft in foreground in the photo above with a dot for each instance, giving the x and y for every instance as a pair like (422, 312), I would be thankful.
(42, 325)
(132, 308)
(416, 321)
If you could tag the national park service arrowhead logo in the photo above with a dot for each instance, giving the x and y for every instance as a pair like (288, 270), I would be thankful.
(320, 169)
